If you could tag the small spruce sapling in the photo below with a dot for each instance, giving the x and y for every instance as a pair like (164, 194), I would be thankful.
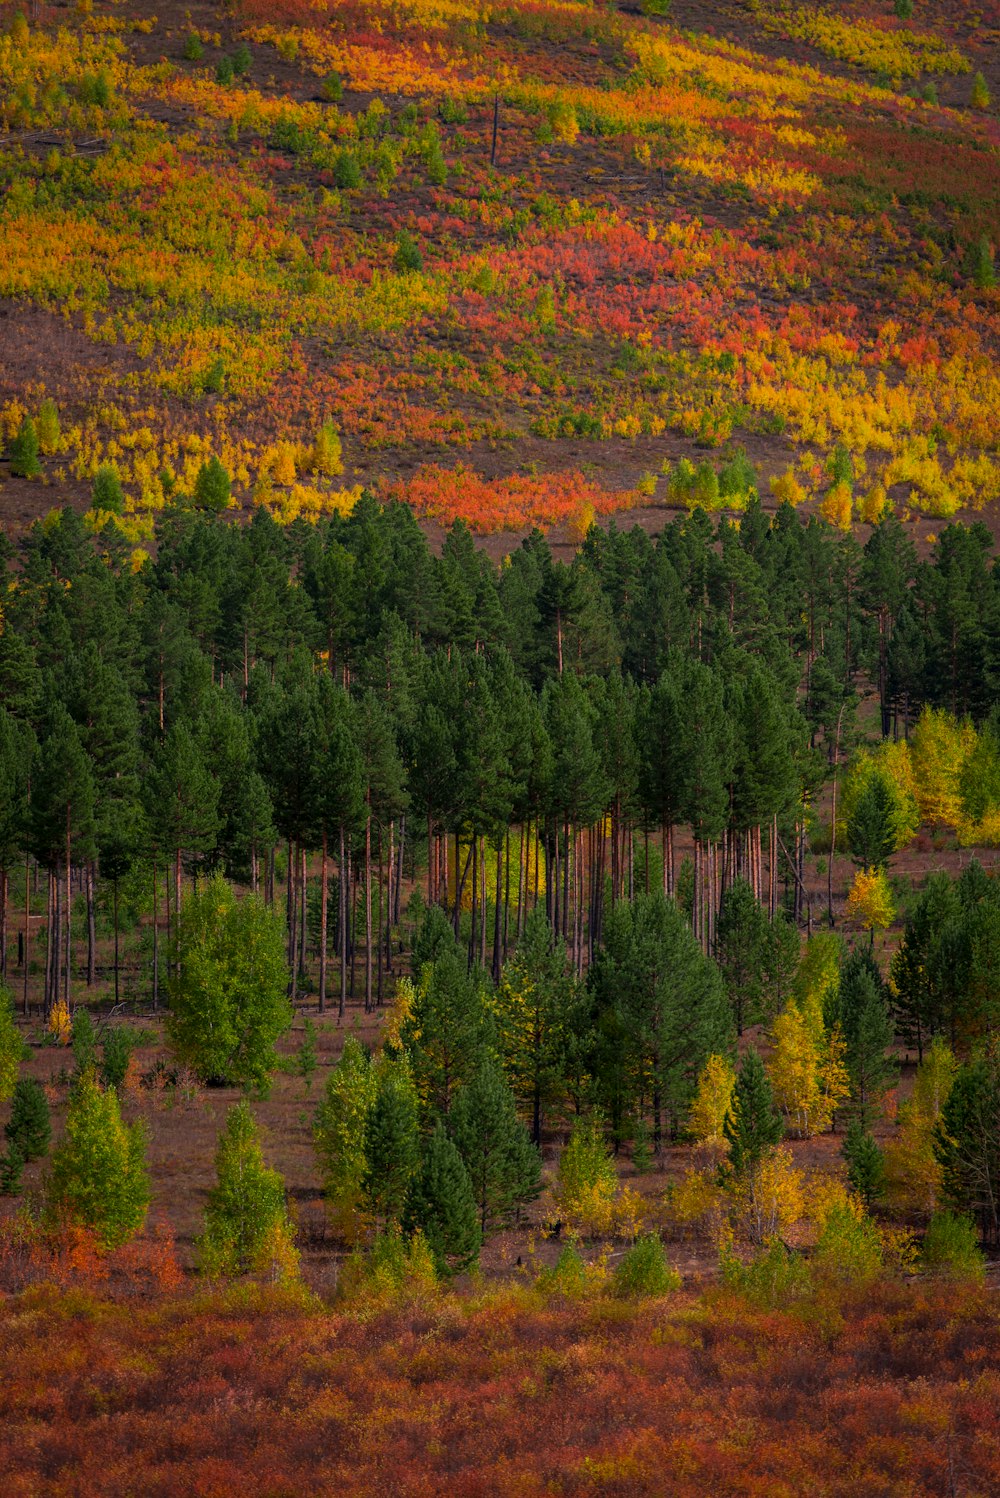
(29, 1126)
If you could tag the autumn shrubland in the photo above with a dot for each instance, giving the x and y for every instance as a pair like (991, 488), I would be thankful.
(767, 227)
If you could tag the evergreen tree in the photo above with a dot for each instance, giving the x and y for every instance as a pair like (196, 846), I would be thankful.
(658, 1012)
(536, 1004)
(967, 1143)
(871, 827)
(446, 1033)
(24, 451)
(503, 1164)
(99, 1177)
(752, 1127)
(859, 1006)
(212, 487)
(865, 1165)
(29, 1126)
(391, 1145)
(756, 957)
(442, 1206)
(246, 1229)
(11, 1170)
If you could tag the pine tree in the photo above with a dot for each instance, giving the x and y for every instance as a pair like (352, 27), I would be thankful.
(212, 487)
(246, 1229)
(535, 1006)
(871, 829)
(106, 492)
(755, 955)
(83, 1041)
(752, 1127)
(865, 1164)
(442, 1205)
(11, 1170)
(391, 1144)
(967, 1143)
(501, 1160)
(29, 1126)
(99, 1177)
(24, 452)
(446, 1033)
(860, 1009)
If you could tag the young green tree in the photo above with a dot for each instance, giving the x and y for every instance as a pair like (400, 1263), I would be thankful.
(229, 1002)
(212, 487)
(99, 1177)
(391, 1143)
(861, 1010)
(871, 827)
(967, 1143)
(442, 1206)
(24, 452)
(756, 956)
(246, 1229)
(865, 1164)
(587, 1182)
(501, 1160)
(446, 1033)
(536, 1004)
(339, 1134)
(28, 1125)
(752, 1127)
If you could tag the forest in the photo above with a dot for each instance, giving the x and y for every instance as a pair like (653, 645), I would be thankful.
(499, 747)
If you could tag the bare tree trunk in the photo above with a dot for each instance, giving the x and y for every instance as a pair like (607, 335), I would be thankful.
(390, 882)
(324, 900)
(69, 906)
(368, 913)
(293, 920)
(91, 924)
(342, 923)
(27, 928)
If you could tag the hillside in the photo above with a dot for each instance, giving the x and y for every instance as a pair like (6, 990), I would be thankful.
(706, 227)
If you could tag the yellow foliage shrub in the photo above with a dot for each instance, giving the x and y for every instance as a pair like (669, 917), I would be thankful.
(60, 1026)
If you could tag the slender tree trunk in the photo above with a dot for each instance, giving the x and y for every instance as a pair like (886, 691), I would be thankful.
(49, 914)
(69, 906)
(397, 908)
(27, 929)
(289, 904)
(482, 905)
(342, 922)
(378, 922)
(368, 913)
(117, 955)
(475, 896)
(506, 892)
(390, 881)
(324, 900)
(497, 926)
(156, 940)
(293, 920)
(3, 924)
(431, 861)
(303, 938)
(91, 924)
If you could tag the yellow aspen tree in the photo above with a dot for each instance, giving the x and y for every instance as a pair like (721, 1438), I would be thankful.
(711, 1100)
(870, 901)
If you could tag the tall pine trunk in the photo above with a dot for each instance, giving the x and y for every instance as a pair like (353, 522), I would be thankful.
(323, 903)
